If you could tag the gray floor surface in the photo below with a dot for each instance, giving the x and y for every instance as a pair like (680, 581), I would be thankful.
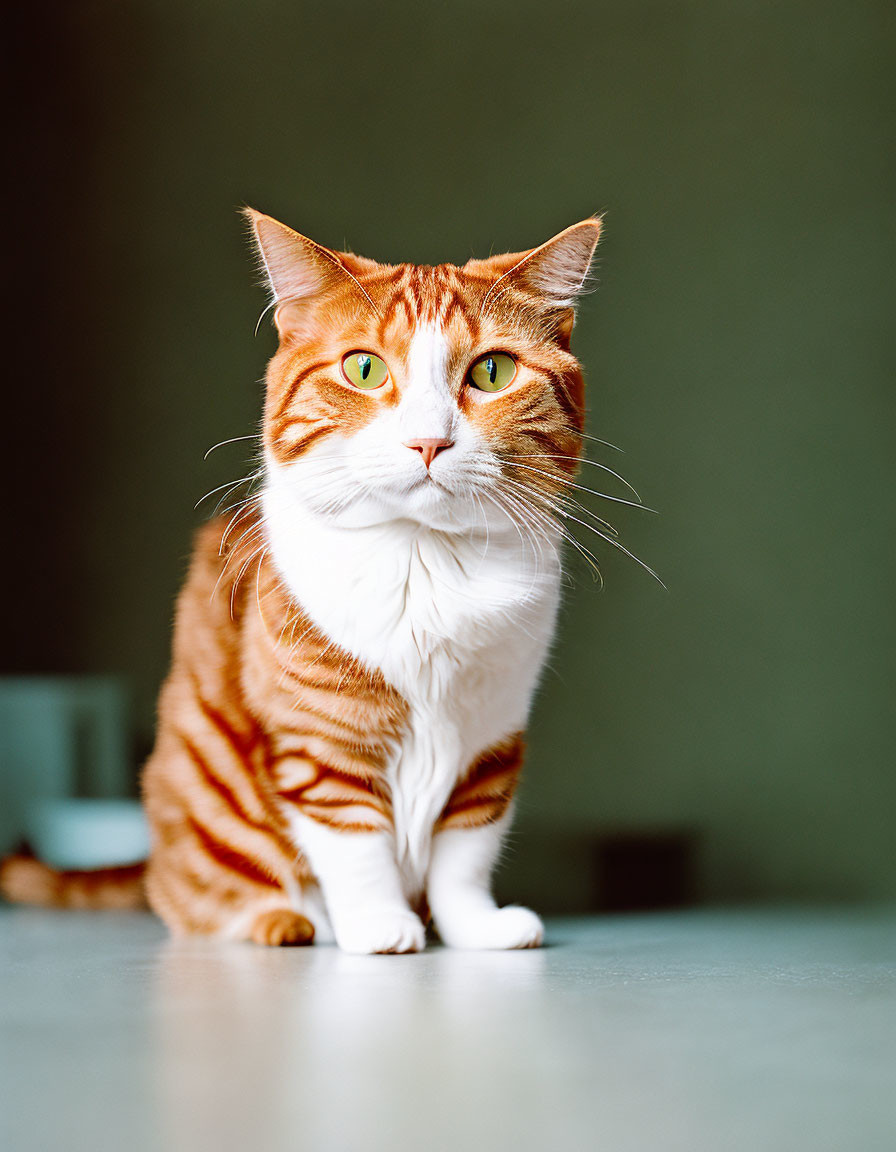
(720, 1031)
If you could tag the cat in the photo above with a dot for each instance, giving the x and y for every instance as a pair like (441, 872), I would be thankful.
(356, 649)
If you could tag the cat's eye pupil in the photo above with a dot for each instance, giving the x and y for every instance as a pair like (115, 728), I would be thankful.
(493, 372)
(365, 370)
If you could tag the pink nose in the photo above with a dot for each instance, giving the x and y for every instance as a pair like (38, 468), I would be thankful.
(428, 448)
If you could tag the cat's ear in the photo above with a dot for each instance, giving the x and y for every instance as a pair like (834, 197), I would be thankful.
(297, 269)
(555, 273)
(558, 270)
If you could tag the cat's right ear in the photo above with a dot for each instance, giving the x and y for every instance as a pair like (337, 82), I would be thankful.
(296, 269)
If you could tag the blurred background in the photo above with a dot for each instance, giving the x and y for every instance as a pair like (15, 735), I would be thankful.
(734, 732)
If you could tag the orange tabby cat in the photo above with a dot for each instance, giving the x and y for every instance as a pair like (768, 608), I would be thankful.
(355, 652)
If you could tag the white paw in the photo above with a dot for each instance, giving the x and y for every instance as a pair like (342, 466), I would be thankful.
(380, 930)
(510, 927)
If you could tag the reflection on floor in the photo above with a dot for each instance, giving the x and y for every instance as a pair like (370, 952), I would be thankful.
(747, 1030)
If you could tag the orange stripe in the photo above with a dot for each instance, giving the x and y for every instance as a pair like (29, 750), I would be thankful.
(293, 388)
(291, 451)
(485, 792)
(227, 857)
(242, 743)
(218, 785)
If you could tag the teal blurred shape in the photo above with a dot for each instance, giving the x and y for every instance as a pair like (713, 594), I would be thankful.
(60, 737)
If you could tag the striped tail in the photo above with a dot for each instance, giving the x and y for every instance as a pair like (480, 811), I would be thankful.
(26, 880)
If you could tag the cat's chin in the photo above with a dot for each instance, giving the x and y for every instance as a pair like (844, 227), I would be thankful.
(428, 496)
(426, 505)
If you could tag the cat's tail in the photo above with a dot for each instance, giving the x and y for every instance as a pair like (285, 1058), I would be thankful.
(27, 880)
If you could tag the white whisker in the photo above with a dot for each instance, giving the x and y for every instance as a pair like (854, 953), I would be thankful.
(597, 440)
(582, 488)
(609, 539)
(232, 440)
(578, 460)
(230, 484)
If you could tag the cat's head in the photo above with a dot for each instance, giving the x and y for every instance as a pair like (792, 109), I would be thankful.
(444, 395)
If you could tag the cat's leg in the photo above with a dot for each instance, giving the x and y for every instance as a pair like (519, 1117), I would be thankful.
(459, 892)
(218, 865)
(361, 885)
(464, 851)
(196, 895)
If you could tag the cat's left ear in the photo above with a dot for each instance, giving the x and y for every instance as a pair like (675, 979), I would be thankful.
(558, 270)
(555, 273)
(298, 269)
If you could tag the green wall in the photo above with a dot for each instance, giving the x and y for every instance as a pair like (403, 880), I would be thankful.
(740, 349)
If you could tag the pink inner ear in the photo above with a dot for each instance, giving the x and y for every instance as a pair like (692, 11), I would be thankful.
(556, 271)
(559, 269)
(293, 266)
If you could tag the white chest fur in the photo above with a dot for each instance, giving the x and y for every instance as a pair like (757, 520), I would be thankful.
(458, 627)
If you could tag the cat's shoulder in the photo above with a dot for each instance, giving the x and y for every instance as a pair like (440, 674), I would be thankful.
(224, 551)
(226, 539)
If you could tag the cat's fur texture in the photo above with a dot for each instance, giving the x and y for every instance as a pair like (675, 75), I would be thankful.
(356, 651)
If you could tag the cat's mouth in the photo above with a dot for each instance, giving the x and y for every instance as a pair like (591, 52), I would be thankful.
(426, 483)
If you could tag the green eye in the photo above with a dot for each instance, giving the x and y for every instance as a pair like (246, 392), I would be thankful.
(364, 370)
(493, 372)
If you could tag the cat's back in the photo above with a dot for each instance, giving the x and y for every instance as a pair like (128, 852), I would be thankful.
(207, 643)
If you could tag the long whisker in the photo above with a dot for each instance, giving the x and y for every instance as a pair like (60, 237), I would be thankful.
(230, 484)
(260, 550)
(264, 313)
(597, 440)
(567, 501)
(251, 534)
(258, 590)
(476, 497)
(578, 460)
(286, 668)
(582, 488)
(485, 524)
(616, 544)
(589, 556)
(560, 511)
(511, 518)
(514, 516)
(524, 512)
(232, 440)
(546, 523)
(609, 539)
(241, 507)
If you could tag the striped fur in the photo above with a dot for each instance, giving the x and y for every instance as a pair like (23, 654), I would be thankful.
(340, 735)
(485, 792)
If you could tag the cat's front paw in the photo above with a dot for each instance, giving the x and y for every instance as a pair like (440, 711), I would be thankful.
(510, 927)
(281, 927)
(380, 930)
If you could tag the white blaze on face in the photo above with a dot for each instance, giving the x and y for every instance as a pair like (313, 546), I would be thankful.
(427, 408)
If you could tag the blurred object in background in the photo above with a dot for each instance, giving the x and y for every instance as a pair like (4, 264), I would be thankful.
(605, 870)
(646, 871)
(65, 770)
(80, 834)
